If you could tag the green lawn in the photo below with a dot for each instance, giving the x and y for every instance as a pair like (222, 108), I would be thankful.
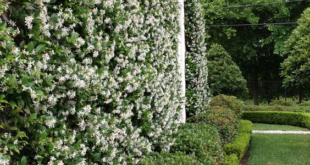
(258, 126)
(273, 149)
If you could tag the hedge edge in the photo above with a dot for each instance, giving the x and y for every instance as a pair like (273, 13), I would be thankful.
(283, 118)
(236, 150)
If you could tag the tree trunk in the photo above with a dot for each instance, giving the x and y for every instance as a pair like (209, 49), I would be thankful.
(255, 92)
(255, 84)
(300, 95)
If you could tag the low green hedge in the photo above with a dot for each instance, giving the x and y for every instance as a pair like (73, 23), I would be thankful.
(231, 160)
(200, 140)
(245, 126)
(284, 118)
(294, 108)
(236, 150)
(239, 145)
(165, 158)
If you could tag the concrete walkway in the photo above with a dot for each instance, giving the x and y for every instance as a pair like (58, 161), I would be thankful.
(280, 132)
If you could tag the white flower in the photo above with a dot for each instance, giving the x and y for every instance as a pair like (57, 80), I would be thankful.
(87, 109)
(28, 21)
(4, 162)
(50, 123)
(95, 54)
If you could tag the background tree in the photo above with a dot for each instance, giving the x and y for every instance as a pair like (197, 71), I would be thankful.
(255, 49)
(225, 76)
(296, 67)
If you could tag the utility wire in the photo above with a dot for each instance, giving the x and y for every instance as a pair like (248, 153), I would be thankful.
(255, 24)
(258, 4)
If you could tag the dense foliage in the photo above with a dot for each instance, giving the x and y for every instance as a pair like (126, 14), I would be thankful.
(231, 160)
(228, 102)
(87, 82)
(200, 140)
(224, 119)
(164, 158)
(296, 67)
(196, 68)
(225, 76)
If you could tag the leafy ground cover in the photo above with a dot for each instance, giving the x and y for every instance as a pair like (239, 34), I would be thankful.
(277, 149)
(266, 127)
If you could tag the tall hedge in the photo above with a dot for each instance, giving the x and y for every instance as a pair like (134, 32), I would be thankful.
(87, 81)
(197, 90)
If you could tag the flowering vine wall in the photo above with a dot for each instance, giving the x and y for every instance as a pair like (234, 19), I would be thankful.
(87, 81)
(197, 90)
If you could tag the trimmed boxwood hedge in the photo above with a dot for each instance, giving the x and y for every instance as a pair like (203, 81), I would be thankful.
(272, 117)
(231, 160)
(245, 126)
(200, 140)
(236, 150)
(239, 145)
(296, 108)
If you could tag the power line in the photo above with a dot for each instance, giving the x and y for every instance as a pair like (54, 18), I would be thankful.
(255, 24)
(258, 4)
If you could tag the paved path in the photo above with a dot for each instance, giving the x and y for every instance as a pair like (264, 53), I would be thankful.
(280, 132)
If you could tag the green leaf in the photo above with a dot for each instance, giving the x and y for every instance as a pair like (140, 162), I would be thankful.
(30, 47)
(24, 81)
(32, 117)
(13, 128)
(51, 147)
(22, 44)
(2, 99)
(40, 48)
(21, 134)
(23, 161)
(12, 80)
(12, 104)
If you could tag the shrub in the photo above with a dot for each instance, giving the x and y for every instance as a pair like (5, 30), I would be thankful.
(225, 76)
(228, 101)
(239, 145)
(277, 108)
(195, 63)
(306, 104)
(222, 118)
(245, 126)
(200, 140)
(231, 160)
(165, 158)
(272, 117)
(87, 80)
(281, 103)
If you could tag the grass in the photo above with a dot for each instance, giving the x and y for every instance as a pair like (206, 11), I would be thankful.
(275, 149)
(258, 126)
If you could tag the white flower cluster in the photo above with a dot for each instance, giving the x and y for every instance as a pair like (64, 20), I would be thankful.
(101, 76)
(196, 61)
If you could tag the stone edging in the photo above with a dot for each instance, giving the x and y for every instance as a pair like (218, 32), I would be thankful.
(279, 132)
